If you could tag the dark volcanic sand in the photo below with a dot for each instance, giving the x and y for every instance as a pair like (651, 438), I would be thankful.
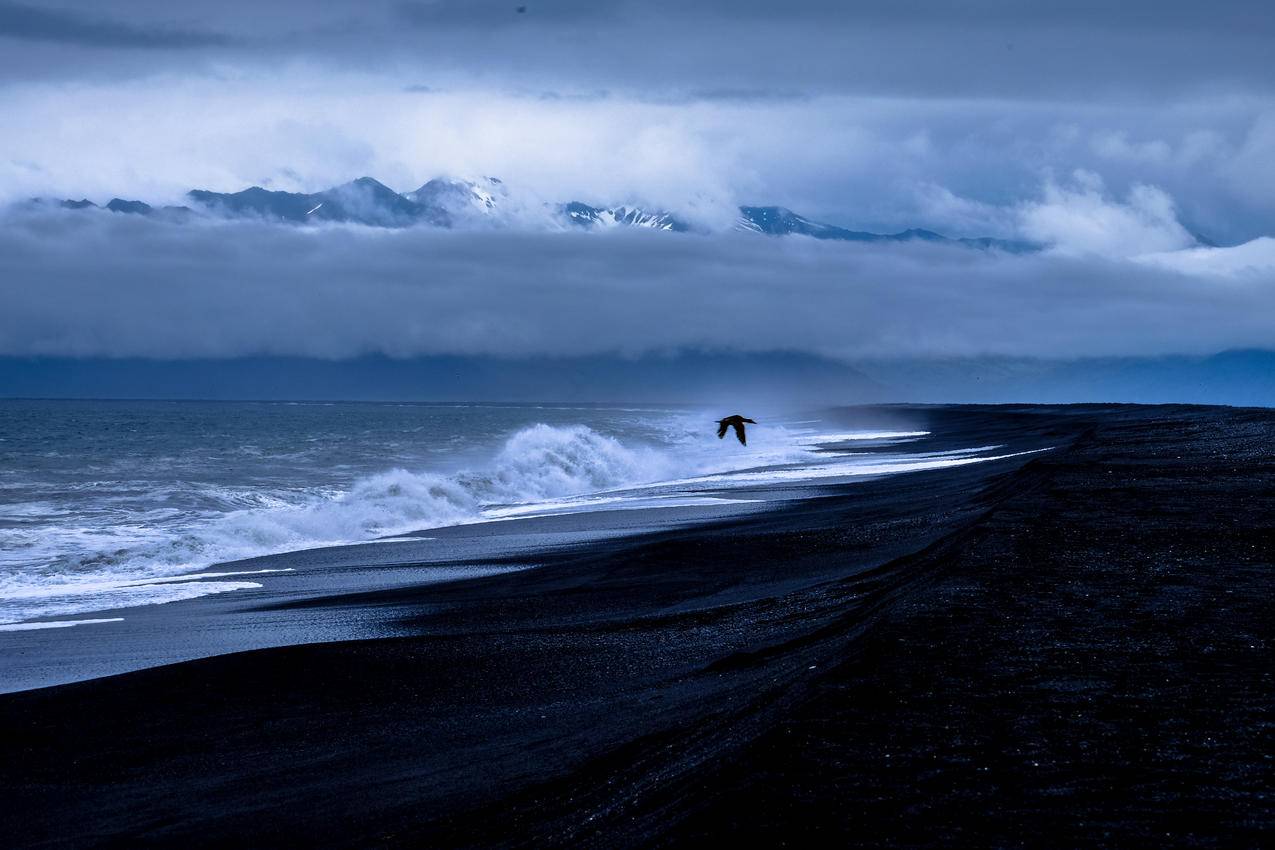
(1069, 649)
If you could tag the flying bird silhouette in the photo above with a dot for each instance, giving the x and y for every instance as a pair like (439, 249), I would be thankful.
(736, 422)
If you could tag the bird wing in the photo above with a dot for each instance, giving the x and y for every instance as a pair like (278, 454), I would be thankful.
(721, 429)
(739, 432)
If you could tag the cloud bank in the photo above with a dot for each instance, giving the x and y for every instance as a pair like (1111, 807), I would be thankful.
(97, 284)
(947, 115)
(881, 164)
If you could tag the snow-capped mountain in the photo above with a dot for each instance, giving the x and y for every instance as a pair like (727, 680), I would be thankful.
(462, 200)
(487, 203)
(778, 221)
(584, 215)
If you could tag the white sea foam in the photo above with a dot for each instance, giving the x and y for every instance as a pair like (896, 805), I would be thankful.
(103, 595)
(541, 462)
(161, 553)
(851, 467)
(67, 568)
(819, 439)
(55, 624)
(630, 501)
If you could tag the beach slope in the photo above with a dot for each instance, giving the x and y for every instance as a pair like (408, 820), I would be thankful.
(1065, 648)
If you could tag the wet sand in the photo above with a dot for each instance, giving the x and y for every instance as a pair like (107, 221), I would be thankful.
(1069, 648)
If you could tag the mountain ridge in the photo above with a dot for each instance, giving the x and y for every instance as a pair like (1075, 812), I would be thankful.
(453, 203)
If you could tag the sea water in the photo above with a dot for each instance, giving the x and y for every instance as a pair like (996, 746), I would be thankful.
(107, 504)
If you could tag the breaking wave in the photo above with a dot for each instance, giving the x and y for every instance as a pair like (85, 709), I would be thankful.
(138, 541)
(122, 563)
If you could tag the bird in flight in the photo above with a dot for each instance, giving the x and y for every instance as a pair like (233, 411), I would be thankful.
(736, 422)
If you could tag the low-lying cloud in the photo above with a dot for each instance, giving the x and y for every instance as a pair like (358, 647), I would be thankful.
(962, 167)
(1079, 218)
(97, 284)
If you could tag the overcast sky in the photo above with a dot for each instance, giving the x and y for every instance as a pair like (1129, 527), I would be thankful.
(869, 114)
(1116, 133)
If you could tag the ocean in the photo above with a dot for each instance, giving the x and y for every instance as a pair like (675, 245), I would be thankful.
(112, 504)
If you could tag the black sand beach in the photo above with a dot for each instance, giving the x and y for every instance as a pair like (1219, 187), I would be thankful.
(1069, 648)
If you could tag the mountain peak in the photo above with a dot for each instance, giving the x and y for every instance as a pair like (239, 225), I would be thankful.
(133, 207)
(370, 183)
(461, 199)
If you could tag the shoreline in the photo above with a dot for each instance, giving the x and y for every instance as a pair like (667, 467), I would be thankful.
(57, 649)
(889, 664)
(155, 634)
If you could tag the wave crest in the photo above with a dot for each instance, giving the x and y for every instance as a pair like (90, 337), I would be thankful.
(542, 462)
(535, 463)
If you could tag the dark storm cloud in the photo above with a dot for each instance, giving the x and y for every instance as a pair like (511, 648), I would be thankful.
(103, 285)
(975, 48)
(19, 21)
(1140, 14)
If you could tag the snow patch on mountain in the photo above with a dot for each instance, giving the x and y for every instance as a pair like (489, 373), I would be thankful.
(584, 215)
